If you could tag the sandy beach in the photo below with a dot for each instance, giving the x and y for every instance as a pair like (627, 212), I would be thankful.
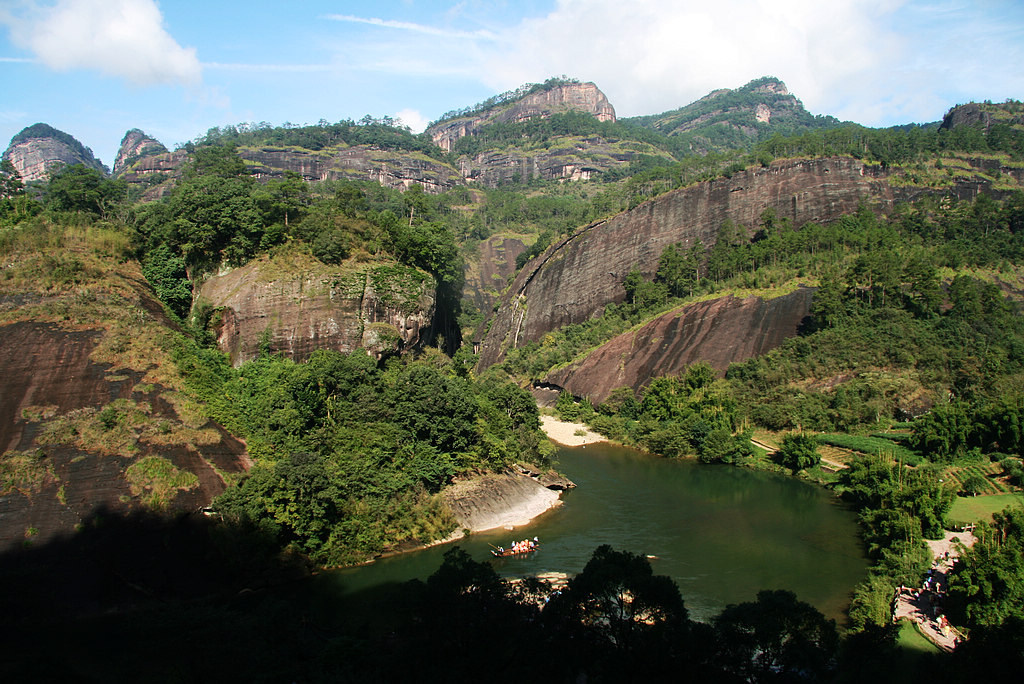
(568, 434)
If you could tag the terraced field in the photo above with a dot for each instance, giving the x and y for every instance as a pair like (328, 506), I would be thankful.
(986, 471)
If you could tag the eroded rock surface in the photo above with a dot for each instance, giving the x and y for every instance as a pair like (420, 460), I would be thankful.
(39, 150)
(296, 305)
(719, 331)
(575, 278)
(54, 485)
(509, 499)
(135, 145)
(583, 97)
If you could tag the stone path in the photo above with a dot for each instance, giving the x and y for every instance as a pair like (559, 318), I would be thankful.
(923, 605)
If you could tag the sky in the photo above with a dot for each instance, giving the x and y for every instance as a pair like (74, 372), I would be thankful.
(176, 68)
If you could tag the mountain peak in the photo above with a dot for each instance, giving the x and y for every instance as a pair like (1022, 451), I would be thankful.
(40, 149)
(533, 100)
(134, 145)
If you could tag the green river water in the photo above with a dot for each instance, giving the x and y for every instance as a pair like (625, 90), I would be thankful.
(722, 533)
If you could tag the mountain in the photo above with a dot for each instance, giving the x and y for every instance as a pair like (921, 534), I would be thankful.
(293, 304)
(94, 413)
(40, 149)
(531, 101)
(728, 119)
(135, 145)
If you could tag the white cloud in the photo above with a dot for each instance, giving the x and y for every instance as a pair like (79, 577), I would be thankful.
(413, 27)
(413, 119)
(271, 68)
(122, 38)
(650, 56)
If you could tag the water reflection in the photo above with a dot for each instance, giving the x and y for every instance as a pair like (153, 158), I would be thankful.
(721, 533)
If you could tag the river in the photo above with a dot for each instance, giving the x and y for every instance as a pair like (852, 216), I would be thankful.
(722, 533)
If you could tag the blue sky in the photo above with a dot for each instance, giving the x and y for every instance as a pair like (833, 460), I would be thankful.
(95, 68)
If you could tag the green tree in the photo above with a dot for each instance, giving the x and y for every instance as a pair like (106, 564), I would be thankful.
(798, 451)
(79, 188)
(166, 272)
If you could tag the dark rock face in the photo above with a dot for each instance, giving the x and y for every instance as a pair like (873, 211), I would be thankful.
(302, 305)
(48, 372)
(967, 115)
(583, 97)
(489, 272)
(39, 150)
(719, 331)
(134, 145)
(574, 279)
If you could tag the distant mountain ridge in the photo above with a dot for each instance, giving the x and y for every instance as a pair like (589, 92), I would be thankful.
(727, 119)
(562, 129)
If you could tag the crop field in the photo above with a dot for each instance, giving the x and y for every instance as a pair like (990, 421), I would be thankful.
(871, 445)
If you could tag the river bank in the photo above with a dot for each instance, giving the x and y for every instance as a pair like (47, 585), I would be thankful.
(569, 434)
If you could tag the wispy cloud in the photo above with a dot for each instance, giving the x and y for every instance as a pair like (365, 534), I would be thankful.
(16, 60)
(481, 34)
(271, 68)
(122, 38)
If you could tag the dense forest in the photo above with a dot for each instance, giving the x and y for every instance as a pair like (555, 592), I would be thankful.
(911, 364)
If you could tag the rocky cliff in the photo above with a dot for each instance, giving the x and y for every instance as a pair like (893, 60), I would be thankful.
(93, 413)
(568, 158)
(40, 149)
(719, 331)
(509, 499)
(392, 169)
(488, 270)
(156, 173)
(984, 115)
(543, 102)
(294, 304)
(576, 277)
(135, 145)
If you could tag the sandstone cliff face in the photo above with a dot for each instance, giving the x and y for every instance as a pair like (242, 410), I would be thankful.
(719, 331)
(390, 169)
(81, 406)
(35, 157)
(572, 158)
(158, 172)
(575, 278)
(488, 271)
(134, 145)
(584, 97)
(298, 305)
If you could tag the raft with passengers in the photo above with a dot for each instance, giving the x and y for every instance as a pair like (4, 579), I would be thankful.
(517, 548)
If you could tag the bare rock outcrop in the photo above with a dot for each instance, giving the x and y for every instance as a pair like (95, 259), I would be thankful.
(392, 169)
(719, 331)
(569, 158)
(135, 145)
(39, 150)
(296, 305)
(495, 500)
(576, 277)
(80, 432)
(488, 271)
(583, 97)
